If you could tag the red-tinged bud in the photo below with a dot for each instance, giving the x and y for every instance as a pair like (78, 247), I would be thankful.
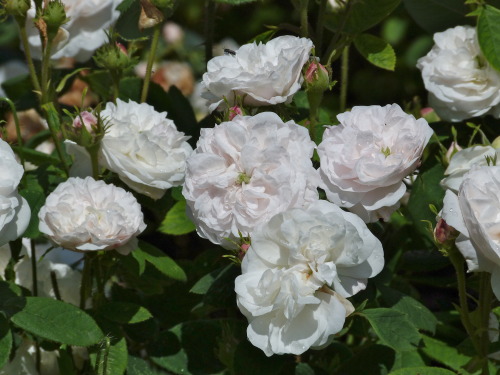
(317, 77)
(89, 120)
(429, 114)
(122, 48)
(234, 111)
(445, 234)
(243, 250)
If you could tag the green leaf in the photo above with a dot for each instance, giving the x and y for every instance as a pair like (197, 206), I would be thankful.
(130, 88)
(393, 328)
(437, 15)
(138, 366)
(65, 79)
(411, 358)
(303, 369)
(112, 359)
(364, 15)
(57, 321)
(488, 33)
(419, 315)
(36, 157)
(372, 360)
(444, 353)
(20, 91)
(160, 261)
(35, 195)
(377, 51)
(5, 341)
(124, 312)
(176, 222)
(422, 371)
(125, 4)
(249, 360)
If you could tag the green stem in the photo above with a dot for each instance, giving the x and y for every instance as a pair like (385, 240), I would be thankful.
(151, 59)
(457, 261)
(86, 285)
(304, 26)
(485, 298)
(29, 59)
(320, 26)
(33, 269)
(51, 117)
(46, 72)
(18, 128)
(55, 285)
(344, 78)
(210, 8)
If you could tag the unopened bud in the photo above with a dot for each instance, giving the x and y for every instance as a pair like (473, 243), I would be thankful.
(122, 48)
(54, 16)
(445, 234)
(16, 8)
(88, 119)
(317, 77)
(235, 111)
(429, 114)
(243, 250)
(452, 150)
(113, 57)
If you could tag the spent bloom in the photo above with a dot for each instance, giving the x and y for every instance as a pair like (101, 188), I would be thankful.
(298, 272)
(261, 74)
(84, 31)
(475, 213)
(15, 213)
(143, 147)
(245, 171)
(460, 81)
(462, 161)
(88, 215)
(365, 158)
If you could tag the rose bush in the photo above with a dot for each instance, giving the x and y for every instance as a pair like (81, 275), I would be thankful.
(460, 81)
(143, 147)
(245, 171)
(262, 74)
(298, 272)
(15, 213)
(88, 215)
(475, 213)
(365, 158)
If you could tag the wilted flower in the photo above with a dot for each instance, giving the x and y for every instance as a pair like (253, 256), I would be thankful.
(88, 215)
(143, 147)
(460, 81)
(461, 163)
(85, 28)
(15, 213)
(245, 171)
(475, 213)
(262, 74)
(365, 158)
(298, 272)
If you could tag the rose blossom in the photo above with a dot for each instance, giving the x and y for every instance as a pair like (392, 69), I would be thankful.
(299, 270)
(245, 171)
(462, 161)
(143, 147)
(15, 213)
(88, 215)
(460, 81)
(365, 158)
(475, 213)
(85, 29)
(262, 74)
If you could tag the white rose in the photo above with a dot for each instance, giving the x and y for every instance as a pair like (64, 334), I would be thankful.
(143, 147)
(298, 272)
(462, 161)
(475, 213)
(262, 74)
(15, 213)
(460, 81)
(88, 215)
(365, 158)
(85, 30)
(245, 171)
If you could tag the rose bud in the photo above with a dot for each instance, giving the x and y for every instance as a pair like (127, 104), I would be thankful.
(317, 77)
(444, 233)
(54, 16)
(234, 111)
(88, 119)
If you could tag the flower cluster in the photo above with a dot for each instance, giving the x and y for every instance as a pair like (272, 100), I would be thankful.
(15, 213)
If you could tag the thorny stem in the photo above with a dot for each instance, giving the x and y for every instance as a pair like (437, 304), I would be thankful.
(46, 72)
(344, 79)
(29, 59)
(151, 59)
(210, 8)
(304, 29)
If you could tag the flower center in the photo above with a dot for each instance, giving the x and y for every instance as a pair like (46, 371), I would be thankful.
(243, 178)
(386, 151)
